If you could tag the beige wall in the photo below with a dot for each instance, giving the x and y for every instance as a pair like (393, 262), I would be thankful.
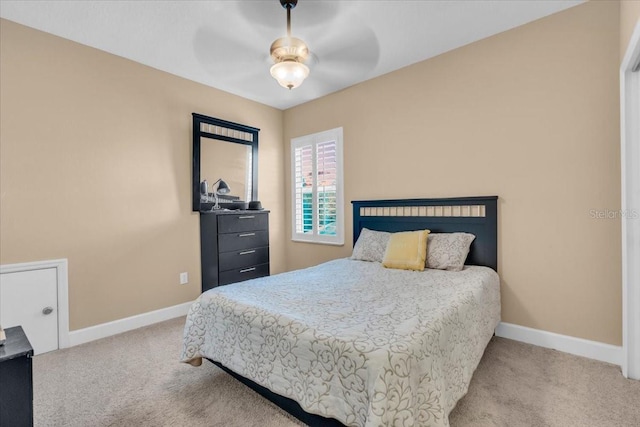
(629, 16)
(530, 115)
(95, 167)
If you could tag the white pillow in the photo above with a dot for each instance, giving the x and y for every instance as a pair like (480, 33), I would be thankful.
(448, 251)
(371, 245)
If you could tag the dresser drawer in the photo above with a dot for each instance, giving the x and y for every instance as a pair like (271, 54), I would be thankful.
(243, 258)
(238, 275)
(243, 222)
(246, 240)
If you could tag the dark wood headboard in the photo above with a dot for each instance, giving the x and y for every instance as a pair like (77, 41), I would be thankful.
(475, 215)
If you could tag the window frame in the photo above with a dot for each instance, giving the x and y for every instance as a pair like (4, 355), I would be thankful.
(314, 140)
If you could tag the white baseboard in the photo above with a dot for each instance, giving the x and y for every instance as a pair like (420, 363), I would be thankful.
(108, 329)
(578, 346)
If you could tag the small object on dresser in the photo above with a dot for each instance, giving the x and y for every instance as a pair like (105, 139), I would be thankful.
(255, 205)
(3, 336)
(204, 191)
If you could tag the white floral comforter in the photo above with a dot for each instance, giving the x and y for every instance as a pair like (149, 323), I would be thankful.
(353, 340)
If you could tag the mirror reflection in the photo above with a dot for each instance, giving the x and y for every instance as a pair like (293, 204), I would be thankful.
(230, 162)
(225, 156)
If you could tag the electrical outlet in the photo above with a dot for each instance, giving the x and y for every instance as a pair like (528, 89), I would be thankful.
(184, 278)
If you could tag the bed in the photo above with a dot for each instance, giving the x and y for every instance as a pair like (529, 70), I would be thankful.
(350, 342)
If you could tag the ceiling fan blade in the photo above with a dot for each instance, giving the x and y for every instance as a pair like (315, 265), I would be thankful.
(349, 59)
(213, 48)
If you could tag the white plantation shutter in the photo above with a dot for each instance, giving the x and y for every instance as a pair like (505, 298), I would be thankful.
(326, 181)
(303, 188)
(317, 201)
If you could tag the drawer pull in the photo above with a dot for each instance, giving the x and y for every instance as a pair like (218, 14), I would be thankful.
(247, 252)
(246, 217)
(246, 234)
(246, 270)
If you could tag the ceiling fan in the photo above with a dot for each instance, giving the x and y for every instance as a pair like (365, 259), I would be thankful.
(343, 48)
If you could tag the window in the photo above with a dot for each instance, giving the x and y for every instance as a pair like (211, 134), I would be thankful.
(316, 177)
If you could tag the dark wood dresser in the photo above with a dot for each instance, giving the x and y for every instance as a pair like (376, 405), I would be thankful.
(234, 246)
(16, 380)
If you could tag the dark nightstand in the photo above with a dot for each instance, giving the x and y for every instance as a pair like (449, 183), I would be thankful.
(16, 377)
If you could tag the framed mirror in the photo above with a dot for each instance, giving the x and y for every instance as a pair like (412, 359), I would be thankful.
(225, 154)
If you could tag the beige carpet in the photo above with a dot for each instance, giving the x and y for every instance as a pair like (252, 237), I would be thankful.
(134, 379)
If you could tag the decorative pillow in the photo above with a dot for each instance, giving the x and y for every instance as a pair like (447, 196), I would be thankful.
(370, 245)
(448, 251)
(407, 250)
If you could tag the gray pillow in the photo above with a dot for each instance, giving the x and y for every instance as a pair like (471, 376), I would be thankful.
(448, 251)
(371, 245)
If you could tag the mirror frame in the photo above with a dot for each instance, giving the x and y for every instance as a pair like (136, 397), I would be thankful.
(239, 131)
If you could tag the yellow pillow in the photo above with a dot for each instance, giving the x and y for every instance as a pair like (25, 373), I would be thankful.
(407, 250)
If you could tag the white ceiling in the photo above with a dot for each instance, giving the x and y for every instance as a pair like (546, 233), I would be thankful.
(225, 44)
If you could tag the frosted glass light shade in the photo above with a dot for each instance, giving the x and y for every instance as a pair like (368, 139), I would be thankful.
(289, 74)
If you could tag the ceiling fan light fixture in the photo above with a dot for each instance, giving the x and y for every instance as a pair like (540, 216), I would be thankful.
(289, 55)
(289, 74)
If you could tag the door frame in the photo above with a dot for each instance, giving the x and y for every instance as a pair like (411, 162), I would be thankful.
(630, 214)
(61, 266)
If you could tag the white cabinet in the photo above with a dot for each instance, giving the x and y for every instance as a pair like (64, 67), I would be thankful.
(30, 299)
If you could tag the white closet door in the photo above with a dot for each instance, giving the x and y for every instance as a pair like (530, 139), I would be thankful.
(30, 299)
